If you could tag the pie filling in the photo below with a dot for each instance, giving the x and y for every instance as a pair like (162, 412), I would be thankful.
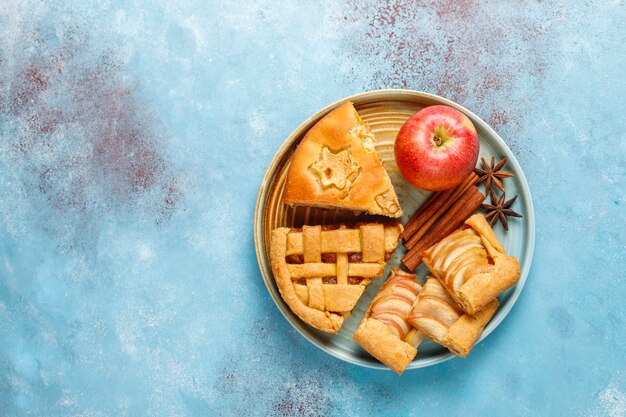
(393, 303)
(328, 267)
(458, 257)
(435, 311)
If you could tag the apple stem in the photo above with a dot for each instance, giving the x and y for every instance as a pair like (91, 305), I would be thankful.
(437, 140)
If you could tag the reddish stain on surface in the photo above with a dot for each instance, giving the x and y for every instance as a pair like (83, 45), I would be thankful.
(47, 121)
(465, 50)
(30, 83)
(78, 127)
(499, 118)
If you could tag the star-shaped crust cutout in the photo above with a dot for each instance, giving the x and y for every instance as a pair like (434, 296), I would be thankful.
(336, 169)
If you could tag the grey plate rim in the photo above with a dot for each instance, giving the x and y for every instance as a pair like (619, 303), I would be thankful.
(390, 94)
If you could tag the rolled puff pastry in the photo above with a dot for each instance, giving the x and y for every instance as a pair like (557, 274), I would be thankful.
(472, 265)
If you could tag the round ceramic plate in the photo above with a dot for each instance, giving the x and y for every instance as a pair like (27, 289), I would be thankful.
(385, 111)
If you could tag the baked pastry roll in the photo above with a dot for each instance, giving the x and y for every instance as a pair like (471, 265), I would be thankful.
(438, 316)
(472, 265)
(336, 166)
(384, 331)
(322, 271)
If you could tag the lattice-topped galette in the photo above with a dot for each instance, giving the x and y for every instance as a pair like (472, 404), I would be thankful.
(322, 271)
(336, 166)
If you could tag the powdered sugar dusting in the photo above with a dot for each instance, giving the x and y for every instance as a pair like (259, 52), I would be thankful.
(611, 403)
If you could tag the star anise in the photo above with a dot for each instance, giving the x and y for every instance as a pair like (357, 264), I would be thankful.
(499, 209)
(492, 174)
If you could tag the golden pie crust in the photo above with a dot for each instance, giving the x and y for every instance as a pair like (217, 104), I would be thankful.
(336, 166)
(442, 320)
(322, 271)
(472, 265)
(384, 331)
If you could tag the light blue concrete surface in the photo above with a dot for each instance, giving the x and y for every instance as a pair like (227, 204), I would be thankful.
(133, 139)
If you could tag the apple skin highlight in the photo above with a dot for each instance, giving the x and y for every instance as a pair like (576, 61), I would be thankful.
(437, 148)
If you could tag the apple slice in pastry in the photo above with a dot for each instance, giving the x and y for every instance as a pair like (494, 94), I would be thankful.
(384, 331)
(472, 265)
(438, 316)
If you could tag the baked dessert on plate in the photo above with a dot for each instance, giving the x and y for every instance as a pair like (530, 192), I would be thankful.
(439, 317)
(336, 166)
(472, 265)
(384, 331)
(322, 271)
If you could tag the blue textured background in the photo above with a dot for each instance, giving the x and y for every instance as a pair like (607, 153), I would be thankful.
(133, 141)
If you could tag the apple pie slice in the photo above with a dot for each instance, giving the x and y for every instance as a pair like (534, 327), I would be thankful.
(322, 271)
(472, 265)
(384, 331)
(336, 166)
(439, 317)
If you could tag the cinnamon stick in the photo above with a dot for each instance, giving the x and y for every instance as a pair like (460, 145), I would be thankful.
(465, 205)
(448, 224)
(426, 210)
(421, 214)
(435, 211)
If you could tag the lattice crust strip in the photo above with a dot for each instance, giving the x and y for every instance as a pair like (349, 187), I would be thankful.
(325, 269)
(344, 240)
(339, 297)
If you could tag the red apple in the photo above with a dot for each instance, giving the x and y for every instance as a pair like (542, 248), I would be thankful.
(437, 148)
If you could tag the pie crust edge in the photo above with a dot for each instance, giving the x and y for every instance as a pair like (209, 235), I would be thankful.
(321, 320)
(378, 340)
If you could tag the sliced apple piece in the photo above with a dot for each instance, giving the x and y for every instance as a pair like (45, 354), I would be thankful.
(432, 327)
(445, 245)
(435, 288)
(459, 245)
(457, 271)
(403, 290)
(414, 337)
(415, 286)
(469, 245)
(474, 255)
(435, 251)
(455, 281)
(396, 303)
(398, 288)
(438, 308)
(409, 285)
(395, 322)
(405, 280)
